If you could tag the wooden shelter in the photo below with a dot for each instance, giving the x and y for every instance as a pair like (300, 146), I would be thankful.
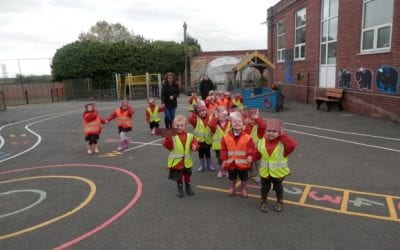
(256, 60)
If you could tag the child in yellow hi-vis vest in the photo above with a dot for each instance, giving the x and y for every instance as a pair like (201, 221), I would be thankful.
(273, 149)
(220, 125)
(152, 114)
(180, 161)
(199, 120)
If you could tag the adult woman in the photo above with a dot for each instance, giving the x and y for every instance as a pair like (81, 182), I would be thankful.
(169, 95)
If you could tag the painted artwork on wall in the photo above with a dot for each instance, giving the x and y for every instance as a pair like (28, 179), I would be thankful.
(288, 64)
(344, 77)
(364, 78)
(386, 80)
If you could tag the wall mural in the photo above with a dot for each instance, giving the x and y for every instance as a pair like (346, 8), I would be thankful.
(288, 64)
(364, 78)
(344, 77)
(386, 80)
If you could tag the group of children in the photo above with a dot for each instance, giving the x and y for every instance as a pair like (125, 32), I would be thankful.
(92, 125)
(243, 142)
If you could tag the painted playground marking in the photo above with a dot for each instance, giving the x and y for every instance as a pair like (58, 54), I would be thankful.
(42, 196)
(132, 202)
(337, 200)
(48, 222)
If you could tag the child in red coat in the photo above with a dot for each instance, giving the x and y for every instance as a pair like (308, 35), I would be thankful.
(124, 115)
(92, 127)
(273, 150)
(220, 126)
(193, 100)
(237, 150)
(199, 120)
(180, 161)
(152, 114)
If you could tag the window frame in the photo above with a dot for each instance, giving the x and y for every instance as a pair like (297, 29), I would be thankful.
(375, 30)
(280, 52)
(299, 46)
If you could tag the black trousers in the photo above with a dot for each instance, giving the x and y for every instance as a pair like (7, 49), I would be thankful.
(267, 182)
(204, 150)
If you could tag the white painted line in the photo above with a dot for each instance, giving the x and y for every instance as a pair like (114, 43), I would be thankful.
(343, 132)
(148, 143)
(42, 196)
(346, 141)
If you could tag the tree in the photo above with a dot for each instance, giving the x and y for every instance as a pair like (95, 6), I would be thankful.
(99, 60)
(192, 46)
(105, 32)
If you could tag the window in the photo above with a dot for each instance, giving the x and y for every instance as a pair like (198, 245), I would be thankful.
(329, 25)
(377, 25)
(300, 35)
(280, 41)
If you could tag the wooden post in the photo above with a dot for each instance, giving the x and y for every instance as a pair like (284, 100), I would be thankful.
(26, 97)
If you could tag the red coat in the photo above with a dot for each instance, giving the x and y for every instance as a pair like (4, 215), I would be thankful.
(262, 127)
(289, 145)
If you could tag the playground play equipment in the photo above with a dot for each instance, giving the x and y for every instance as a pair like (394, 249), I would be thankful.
(138, 86)
(263, 98)
(257, 97)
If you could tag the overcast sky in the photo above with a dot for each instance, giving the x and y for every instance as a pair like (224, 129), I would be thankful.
(37, 28)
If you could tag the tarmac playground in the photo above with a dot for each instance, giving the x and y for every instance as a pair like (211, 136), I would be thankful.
(344, 191)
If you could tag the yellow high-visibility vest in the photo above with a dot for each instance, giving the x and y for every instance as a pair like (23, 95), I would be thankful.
(276, 164)
(154, 116)
(179, 152)
(218, 135)
(201, 132)
(238, 104)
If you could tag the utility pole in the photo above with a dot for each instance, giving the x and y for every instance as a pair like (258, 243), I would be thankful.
(186, 61)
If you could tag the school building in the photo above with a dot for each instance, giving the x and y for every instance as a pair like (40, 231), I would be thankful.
(349, 44)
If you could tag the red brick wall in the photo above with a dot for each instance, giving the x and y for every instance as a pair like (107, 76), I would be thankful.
(348, 56)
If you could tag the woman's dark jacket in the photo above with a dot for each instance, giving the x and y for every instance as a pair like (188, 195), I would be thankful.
(168, 90)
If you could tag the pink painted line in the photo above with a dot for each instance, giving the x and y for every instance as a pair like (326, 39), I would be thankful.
(253, 186)
(95, 230)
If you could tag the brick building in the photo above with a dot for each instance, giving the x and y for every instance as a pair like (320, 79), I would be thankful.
(349, 44)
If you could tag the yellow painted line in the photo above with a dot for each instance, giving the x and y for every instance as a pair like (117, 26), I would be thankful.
(392, 217)
(345, 200)
(392, 209)
(48, 222)
(341, 189)
(12, 136)
(112, 154)
(305, 194)
(22, 135)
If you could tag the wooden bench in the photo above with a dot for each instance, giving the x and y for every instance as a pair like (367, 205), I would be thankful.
(332, 97)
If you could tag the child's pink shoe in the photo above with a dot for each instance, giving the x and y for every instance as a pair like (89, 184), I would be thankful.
(89, 151)
(125, 144)
(243, 189)
(219, 174)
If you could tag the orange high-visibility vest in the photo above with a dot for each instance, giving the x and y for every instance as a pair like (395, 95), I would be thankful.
(92, 127)
(237, 152)
(123, 119)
